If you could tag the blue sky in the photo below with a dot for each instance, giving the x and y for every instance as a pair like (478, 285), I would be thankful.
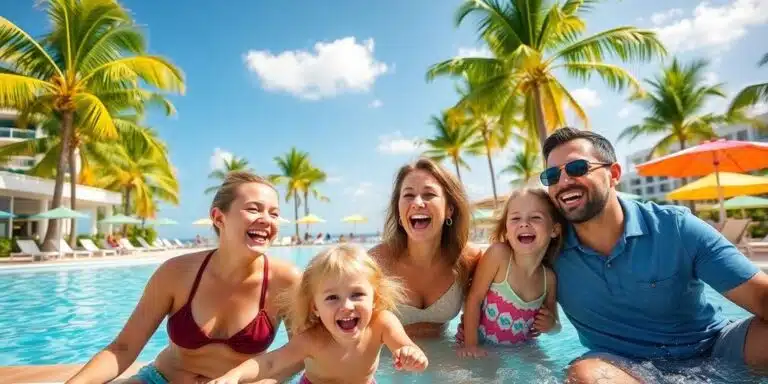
(346, 83)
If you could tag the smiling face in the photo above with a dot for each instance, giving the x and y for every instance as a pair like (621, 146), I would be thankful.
(344, 305)
(423, 206)
(529, 225)
(581, 198)
(251, 220)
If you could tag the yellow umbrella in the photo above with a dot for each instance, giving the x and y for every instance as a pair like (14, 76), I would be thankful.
(731, 184)
(203, 221)
(310, 219)
(354, 219)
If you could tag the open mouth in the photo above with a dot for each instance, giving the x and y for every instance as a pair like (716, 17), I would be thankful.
(526, 238)
(348, 324)
(571, 198)
(420, 221)
(258, 236)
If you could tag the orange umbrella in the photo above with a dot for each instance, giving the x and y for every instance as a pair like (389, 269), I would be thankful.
(711, 157)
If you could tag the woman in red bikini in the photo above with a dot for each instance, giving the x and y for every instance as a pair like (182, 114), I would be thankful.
(222, 305)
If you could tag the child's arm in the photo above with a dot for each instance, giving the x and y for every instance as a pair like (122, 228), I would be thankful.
(548, 320)
(405, 353)
(486, 271)
(271, 364)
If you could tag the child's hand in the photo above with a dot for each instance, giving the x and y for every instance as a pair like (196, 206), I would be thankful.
(228, 378)
(544, 322)
(473, 351)
(410, 358)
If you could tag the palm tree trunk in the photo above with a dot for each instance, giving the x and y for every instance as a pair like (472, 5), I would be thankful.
(127, 210)
(296, 215)
(490, 167)
(456, 163)
(54, 229)
(541, 124)
(306, 206)
(72, 194)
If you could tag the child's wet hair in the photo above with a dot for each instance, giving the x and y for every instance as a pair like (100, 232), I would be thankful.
(332, 263)
(499, 234)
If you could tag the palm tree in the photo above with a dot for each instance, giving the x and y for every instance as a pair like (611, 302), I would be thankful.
(451, 141)
(526, 165)
(531, 43)
(312, 176)
(750, 95)
(293, 168)
(230, 165)
(675, 103)
(141, 171)
(93, 57)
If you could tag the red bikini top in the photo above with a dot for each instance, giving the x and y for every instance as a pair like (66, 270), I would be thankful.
(255, 338)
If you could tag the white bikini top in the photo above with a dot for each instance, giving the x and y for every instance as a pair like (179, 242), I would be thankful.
(443, 310)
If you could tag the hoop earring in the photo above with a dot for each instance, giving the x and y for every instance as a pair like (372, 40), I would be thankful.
(449, 221)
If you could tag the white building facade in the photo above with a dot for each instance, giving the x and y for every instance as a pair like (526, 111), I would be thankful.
(24, 195)
(656, 188)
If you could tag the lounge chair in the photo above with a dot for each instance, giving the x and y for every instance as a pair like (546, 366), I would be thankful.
(145, 245)
(64, 248)
(29, 248)
(735, 230)
(127, 246)
(286, 240)
(180, 244)
(90, 246)
(751, 247)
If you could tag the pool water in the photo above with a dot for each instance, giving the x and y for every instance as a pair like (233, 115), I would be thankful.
(65, 316)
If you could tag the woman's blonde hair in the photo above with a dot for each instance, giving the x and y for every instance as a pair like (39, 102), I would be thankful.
(454, 237)
(499, 234)
(227, 192)
(332, 263)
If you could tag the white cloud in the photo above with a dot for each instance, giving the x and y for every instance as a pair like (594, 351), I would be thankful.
(711, 78)
(360, 190)
(332, 68)
(625, 111)
(218, 158)
(396, 144)
(375, 104)
(659, 18)
(586, 97)
(474, 52)
(714, 27)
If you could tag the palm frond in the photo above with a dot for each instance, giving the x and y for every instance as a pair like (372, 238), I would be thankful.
(95, 115)
(615, 77)
(749, 96)
(626, 43)
(21, 52)
(153, 70)
(18, 91)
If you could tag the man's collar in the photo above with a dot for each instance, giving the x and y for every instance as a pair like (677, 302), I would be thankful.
(634, 224)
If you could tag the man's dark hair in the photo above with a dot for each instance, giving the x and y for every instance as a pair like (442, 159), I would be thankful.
(603, 149)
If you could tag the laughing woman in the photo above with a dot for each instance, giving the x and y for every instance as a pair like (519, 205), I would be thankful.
(425, 245)
(222, 305)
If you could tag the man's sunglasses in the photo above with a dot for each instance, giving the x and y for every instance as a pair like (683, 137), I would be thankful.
(575, 168)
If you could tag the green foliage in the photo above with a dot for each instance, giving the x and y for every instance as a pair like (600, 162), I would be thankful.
(148, 233)
(6, 246)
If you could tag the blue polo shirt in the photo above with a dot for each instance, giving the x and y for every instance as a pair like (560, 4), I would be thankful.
(646, 299)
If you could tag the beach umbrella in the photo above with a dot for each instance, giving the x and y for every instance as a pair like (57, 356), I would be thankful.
(354, 219)
(6, 215)
(712, 157)
(59, 213)
(726, 184)
(744, 202)
(203, 221)
(162, 221)
(120, 219)
(310, 219)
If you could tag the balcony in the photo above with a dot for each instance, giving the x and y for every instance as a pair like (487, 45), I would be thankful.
(20, 163)
(16, 133)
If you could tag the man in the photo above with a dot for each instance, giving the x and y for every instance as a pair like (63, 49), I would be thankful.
(631, 275)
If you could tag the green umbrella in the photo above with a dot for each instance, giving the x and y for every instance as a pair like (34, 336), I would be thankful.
(120, 219)
(59, 213)
(6, 215)
(162, 221)
(743, 202)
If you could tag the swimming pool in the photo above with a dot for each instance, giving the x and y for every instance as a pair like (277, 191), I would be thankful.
(51, 316)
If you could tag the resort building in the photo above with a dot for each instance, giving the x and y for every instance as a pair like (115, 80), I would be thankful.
(656, 188)
(24, 195)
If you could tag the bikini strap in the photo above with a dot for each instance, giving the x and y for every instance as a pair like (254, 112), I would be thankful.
(264, 283)
(199, 275)
(509, 266)
(545, 278)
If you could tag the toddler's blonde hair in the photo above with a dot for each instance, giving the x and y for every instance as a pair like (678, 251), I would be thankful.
(332, 263)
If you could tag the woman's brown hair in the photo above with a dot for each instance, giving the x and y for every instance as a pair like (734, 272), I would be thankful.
(227, 192)
(454, 237)
(499, 234)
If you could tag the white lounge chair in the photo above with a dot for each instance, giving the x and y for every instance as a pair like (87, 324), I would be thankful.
(286, 240)
(64, 248)
(29, 248)
(90, 246)
(127, 246)
(145, 245)
(168, 244)
(180, 244)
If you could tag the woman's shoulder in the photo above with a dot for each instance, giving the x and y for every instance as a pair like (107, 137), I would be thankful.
(183, 263)
(382, 254)
(283, 272)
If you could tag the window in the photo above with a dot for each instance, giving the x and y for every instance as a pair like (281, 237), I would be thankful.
(662, 178)
(637, 191)
(664, 187)
(649, 179)
(650, 189)
(635, 182)
(741, 135)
